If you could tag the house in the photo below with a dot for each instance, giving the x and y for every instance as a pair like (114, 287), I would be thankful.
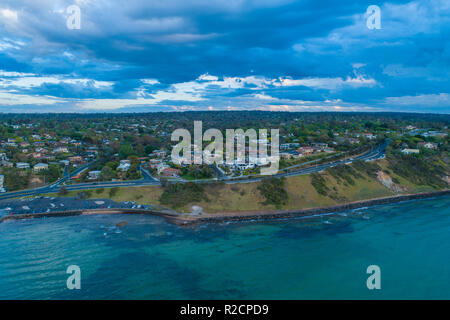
(305, 150)
(370, 136)
(435, 134)
(61, 150)
(153, 163)
(285, 155)
(428, 145)
(287, 146)
(161, 166)
(124, 165)
(40, 166)
(94, 175)
(75, 159)
(64, 162)
(170, 172)
(22, 165)
(158, 153)
(2, 180)
(6, 164)
(319, 146)
(37, 155)
(410, 151)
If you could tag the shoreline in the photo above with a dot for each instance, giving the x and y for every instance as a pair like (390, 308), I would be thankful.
(189, 220)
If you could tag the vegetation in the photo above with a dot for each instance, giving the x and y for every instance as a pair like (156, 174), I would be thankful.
(113, 192)
(344, 173)
(420, 170)
(319, 183)
(272, 189)
(63, 191)
(369, 168)
(178, 195)
(195, 172)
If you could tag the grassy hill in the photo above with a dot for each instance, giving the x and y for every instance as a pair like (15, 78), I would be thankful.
(347, 183)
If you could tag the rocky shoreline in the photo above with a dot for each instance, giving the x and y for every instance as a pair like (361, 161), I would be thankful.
(189, 220)
(247, 216)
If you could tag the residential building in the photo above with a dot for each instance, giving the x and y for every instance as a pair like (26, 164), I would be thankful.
(410, 151)
(305, 150)
(158, 153)
(94, 175)
(22, 165)
(61, 150)
(153, 163)
(370, 136)
(161, 166)
(170, 172)
(428, 145)
(40, 166)
(75, 159)
(124, 165)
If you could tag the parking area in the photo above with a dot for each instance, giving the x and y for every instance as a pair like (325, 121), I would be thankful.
(52, 204)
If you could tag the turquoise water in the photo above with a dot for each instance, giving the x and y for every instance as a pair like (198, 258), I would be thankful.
(295, 259)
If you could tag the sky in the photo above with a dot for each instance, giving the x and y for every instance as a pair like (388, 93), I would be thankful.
(178, 55)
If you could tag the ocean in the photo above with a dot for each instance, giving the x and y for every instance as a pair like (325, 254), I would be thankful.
(319, 258)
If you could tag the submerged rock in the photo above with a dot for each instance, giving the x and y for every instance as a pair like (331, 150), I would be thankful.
(121, 224)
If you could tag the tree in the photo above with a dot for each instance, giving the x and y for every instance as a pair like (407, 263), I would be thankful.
(107, 174)
(63, 191)
(126, 150)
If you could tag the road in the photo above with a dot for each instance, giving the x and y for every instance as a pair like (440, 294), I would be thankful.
(148, 180)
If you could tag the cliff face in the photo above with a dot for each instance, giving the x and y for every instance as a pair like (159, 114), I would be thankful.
(386, 181)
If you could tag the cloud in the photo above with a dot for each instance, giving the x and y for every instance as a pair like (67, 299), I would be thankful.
(441, 100)
(224, 54)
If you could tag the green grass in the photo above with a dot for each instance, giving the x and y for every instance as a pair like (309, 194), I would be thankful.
(348, 185)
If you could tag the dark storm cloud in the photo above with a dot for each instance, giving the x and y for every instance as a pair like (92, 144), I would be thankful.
(155, 51)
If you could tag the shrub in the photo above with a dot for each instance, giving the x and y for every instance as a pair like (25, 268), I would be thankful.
(319, 183)
(273, 190)
(113, 192)
(63, 191)
(180, 194)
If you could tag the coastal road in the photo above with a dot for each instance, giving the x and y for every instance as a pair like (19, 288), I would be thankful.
(148, 180)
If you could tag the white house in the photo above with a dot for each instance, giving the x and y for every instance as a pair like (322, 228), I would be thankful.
(40, 166)
(22, 165)
(93, 175)
(60, 150)
(161, 167)
(3, 156)
(428, 145)
(410, 151)
(158, 153)
(124, 165)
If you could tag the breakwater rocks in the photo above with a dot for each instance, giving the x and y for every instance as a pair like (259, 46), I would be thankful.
(79, 212)
(228, 217)
(188, 220)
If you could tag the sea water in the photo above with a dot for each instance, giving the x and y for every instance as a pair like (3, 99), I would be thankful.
(320, 258)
